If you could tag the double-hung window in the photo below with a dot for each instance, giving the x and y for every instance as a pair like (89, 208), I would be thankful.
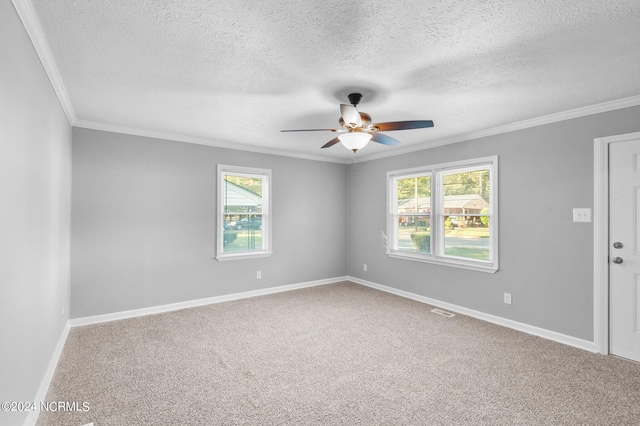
(244, 215)
(445, 214)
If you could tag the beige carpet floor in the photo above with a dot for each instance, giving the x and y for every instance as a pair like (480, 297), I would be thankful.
(339, 354)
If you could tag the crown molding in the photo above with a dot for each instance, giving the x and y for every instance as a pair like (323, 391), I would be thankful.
(519, 125)
(30, 21)
(115, 128)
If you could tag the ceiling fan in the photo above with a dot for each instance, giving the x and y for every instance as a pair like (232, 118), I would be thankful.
(357, 129)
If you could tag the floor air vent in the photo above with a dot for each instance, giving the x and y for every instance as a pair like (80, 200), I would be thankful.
(443, 313)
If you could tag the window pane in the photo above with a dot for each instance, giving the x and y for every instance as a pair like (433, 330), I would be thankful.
(471, 242)
(242, 233)
(466, 214)
(468, 187)
(414, 195)
(244, 214)
(242, 194)
(414, 234)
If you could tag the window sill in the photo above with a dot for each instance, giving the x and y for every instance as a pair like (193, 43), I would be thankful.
(486, 267)
(243, 255)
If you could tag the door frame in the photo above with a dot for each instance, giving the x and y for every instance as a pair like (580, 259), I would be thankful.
(601, 237)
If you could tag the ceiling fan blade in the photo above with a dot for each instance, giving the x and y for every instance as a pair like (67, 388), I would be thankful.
(403, 125)
(350, 115)
(384, 139)
(312, 130)
(332, 142)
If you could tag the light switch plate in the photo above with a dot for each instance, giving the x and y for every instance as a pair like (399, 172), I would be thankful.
(582, 215)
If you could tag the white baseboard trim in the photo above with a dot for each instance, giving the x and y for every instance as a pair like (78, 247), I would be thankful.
(41, 395)
(526, 328)
(536, 331)
(96, 319)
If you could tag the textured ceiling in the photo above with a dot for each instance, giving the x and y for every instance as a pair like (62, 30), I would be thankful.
(238, 72)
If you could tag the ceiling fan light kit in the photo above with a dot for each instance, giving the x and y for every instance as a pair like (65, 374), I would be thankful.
(355, 140)
(357, 129)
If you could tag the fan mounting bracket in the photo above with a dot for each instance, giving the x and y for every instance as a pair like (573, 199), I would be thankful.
(354, 98)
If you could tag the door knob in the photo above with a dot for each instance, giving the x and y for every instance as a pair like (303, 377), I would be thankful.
(617, 245)
(617, 260)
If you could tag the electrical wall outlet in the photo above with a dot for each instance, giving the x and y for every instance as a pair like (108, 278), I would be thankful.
(259, 275)
(582, 215)
(507, 298)
(364, 267)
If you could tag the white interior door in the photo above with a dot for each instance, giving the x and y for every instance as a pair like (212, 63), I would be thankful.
(624, 249)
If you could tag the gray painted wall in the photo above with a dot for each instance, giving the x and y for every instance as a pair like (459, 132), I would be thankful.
(144, 223)
(545, 258)
(35, 199)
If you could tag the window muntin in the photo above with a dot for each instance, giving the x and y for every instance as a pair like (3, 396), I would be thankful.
(243, 212)
(451, 216)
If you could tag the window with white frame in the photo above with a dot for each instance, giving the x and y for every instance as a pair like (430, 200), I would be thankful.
(445, 214)
(244, 219)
